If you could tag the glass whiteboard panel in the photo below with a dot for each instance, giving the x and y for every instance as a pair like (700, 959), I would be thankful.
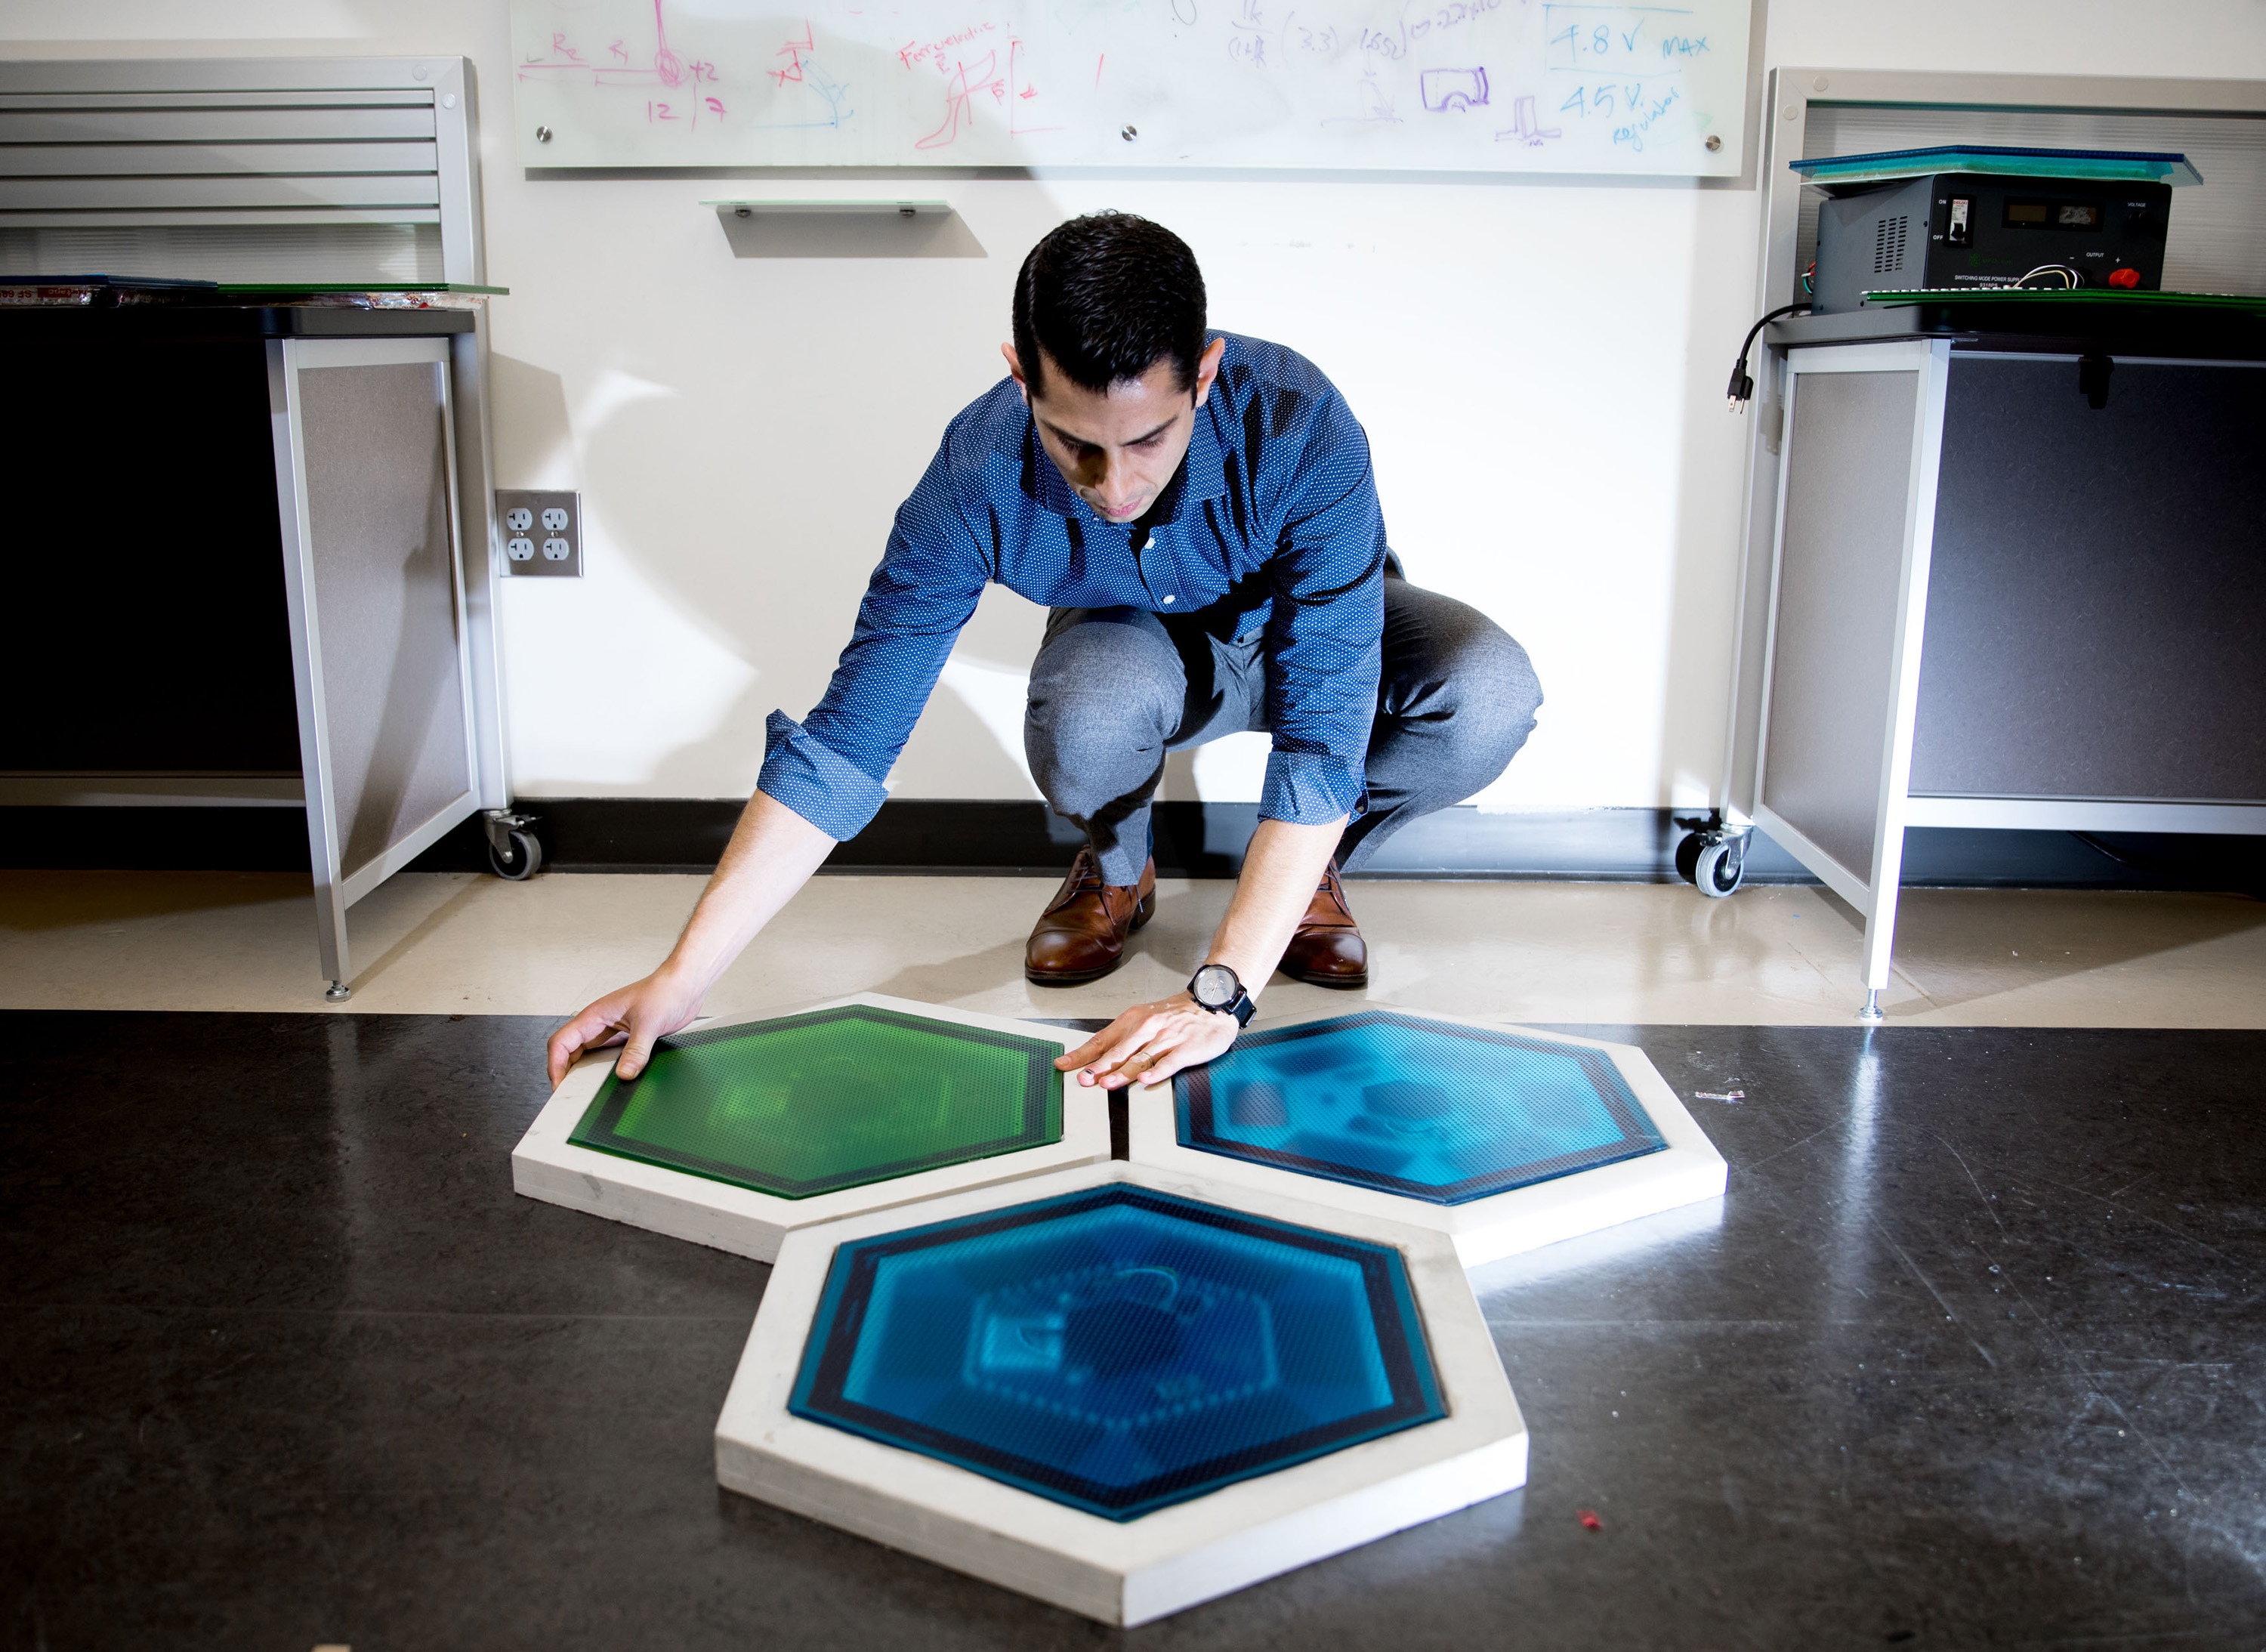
(1468, 85)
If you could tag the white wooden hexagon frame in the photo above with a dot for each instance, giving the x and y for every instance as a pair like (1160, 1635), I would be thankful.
(546, 1165)
(1124, 1571)
(1687, 1170)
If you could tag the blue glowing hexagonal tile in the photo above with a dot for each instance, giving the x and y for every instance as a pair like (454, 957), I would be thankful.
(1432, 1110)
(1118, 1349)
(1119, 1389)
(1512, 1138)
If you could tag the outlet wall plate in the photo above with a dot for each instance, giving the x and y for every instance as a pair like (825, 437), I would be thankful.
(542, 531)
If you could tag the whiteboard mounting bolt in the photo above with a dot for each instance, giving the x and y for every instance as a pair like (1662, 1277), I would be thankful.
(542, 134)
(1715, 141)
(906, 212)
(743, 212)
(1130, 134)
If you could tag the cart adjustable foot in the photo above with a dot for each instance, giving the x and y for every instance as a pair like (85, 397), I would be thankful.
(1872, 1011)
(338, 992)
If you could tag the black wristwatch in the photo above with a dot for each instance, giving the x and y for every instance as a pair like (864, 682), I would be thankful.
(1219, 989)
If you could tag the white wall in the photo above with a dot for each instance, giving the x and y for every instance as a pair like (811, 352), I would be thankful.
(1540, 368)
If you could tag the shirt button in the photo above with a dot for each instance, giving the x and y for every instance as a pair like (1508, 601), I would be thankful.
(1168, 601)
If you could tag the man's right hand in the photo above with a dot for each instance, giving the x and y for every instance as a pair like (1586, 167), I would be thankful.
(637, 1016)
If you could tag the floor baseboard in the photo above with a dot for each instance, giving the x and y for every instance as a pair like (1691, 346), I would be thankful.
(1010, 838)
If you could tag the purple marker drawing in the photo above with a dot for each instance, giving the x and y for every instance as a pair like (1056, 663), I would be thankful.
(1445, 89)
(1525, 130)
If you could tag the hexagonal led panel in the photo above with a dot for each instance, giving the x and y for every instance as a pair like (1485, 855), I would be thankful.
(838, 1098)
(1118, 1350)
(737, 1131)
(1120, 1391)
(1503, 1139)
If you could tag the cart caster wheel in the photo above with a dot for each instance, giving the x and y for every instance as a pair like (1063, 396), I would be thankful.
(1719, 868)
(1687, 856)
(519, 862)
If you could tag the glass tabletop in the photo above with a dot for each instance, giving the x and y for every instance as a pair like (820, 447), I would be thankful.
(2009, 160)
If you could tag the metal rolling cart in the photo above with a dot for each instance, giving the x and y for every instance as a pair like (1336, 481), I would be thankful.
(2003, 565)
(261, 544)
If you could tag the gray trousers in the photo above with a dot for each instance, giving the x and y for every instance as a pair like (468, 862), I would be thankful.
(1114, 688)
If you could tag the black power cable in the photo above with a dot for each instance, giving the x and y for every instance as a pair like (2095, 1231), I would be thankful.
(1742, 388)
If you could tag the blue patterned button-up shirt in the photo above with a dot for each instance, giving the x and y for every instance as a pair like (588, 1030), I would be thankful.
(1271, 524)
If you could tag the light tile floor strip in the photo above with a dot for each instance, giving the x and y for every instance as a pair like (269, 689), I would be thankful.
(1597, 952)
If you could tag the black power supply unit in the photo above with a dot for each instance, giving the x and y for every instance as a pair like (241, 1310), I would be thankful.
(1987, 230)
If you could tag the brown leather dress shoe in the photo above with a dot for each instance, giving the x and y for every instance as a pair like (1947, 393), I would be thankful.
(1081, 935)
(1327, 951)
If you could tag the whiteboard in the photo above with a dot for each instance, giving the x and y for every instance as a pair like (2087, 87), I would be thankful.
(1465, 85)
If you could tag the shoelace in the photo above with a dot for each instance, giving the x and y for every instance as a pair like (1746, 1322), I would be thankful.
(1088, 881)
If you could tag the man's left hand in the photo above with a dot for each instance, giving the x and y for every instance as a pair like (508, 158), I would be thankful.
(1151, 1043)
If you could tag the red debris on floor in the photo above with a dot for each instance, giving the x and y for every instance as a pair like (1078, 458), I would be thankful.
(1591, 1522)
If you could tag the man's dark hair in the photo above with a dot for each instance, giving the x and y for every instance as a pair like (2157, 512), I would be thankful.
(1105, 298)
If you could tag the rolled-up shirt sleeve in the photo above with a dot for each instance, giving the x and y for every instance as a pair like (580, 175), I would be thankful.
(1325, 639)
(831, 768)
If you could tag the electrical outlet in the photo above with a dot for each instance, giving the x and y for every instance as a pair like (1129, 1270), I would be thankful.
(543, 531)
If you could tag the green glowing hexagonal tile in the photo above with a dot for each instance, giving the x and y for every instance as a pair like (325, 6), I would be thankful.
(737, 1132)
(834, 1099)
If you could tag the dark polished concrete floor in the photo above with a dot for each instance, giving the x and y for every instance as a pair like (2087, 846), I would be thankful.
(1973, 1354)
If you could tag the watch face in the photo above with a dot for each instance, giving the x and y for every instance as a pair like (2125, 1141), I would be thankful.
(1214, 986)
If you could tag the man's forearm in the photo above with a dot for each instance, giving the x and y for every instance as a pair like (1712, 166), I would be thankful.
(772, 854)
(1280, 872)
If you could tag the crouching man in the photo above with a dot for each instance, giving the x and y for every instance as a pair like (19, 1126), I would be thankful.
(1196, 512)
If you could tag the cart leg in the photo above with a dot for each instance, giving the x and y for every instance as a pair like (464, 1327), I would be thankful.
(1881, 923)
(330, 939)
